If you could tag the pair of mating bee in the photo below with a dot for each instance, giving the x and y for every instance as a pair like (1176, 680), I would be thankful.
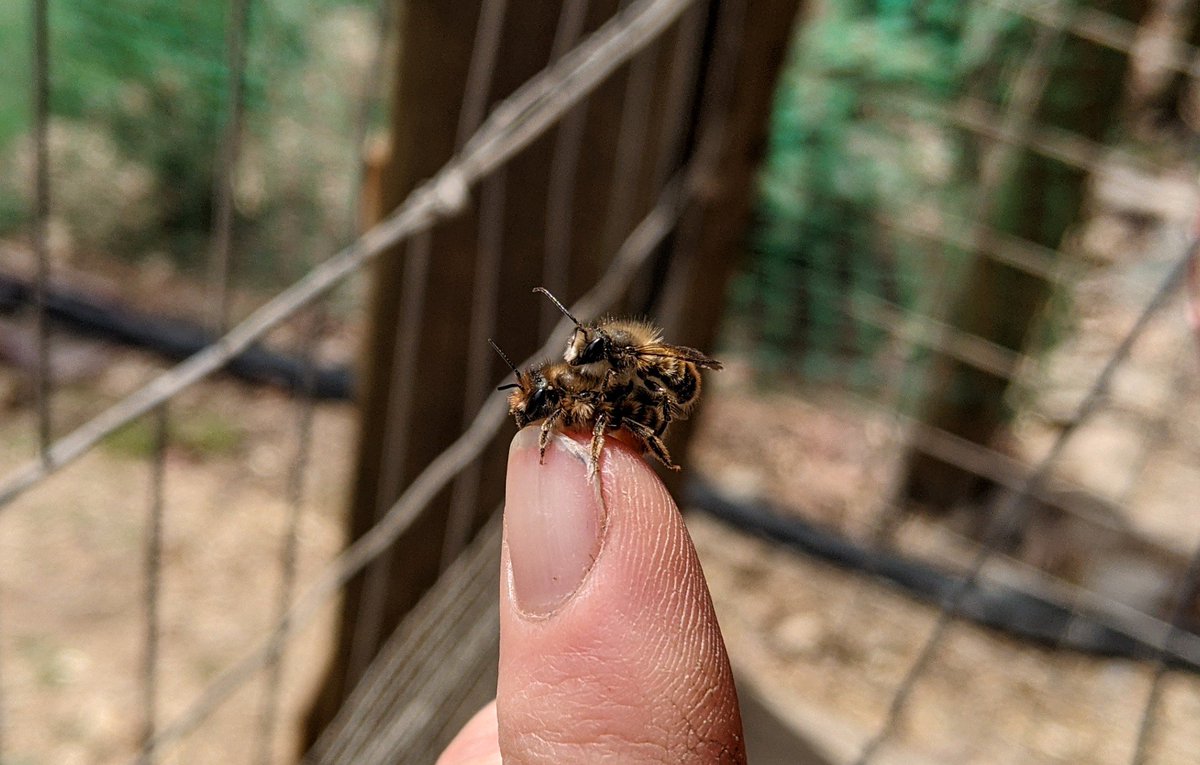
(616, 373)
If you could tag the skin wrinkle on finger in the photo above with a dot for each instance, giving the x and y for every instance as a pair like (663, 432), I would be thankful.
(634, 658)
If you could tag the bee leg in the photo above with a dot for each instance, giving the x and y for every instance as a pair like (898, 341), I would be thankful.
(653, 443)
(597, 444)
(544, 437)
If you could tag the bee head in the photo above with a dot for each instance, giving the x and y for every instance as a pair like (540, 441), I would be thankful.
(587, 346)
(533, 396)
(533, 401)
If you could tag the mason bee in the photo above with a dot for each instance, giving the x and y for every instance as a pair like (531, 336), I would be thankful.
(562, 396)
(631, 352)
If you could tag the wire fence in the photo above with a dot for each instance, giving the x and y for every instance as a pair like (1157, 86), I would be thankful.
(1009, 132)
(485, 146)
(474, 181)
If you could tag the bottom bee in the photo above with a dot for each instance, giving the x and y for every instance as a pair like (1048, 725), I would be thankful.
(562, 396)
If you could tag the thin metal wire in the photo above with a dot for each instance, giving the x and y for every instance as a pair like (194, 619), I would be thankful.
(919, 331)
(227, 162)
(484, 306)
(289, 554)
(1018, 126)
(910, 330)
(41, 217)
(368, 99)
(1029, 257)
(306, 406)
(514, 124)
(631, 146)
(635, 251)
(153, 562)
(1010, 516)
(1103, 28)
(680, 95)
(480, 71)
(983, 118)
(368, 622)
(1151, 444)
(403, 698)
(477, 89)
(564, 164)
(367, 705)
(1100, 608)
(899, 357)
(718, 95)
(1158, 427)
(1012, 474)
(1190, 587)
(485, 282)
(41, 195)
(1028, 86)
(1188, 591)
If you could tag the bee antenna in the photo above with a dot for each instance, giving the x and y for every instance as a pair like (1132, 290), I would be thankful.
(554, 300)
(507, 360)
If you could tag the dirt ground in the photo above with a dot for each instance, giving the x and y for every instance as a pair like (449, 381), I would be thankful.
(72, 573)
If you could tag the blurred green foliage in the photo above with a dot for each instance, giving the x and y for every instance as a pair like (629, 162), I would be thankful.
(855, 140)
(139, 94)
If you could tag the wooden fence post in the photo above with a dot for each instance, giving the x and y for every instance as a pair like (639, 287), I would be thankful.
(414, 397)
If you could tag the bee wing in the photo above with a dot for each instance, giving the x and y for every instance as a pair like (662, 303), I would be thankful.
(682, 352)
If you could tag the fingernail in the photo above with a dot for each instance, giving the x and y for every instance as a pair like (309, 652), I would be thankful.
(554, 521)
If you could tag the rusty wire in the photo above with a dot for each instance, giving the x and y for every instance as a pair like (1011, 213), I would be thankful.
(153, 567)
(41, 217)
(221, 258)
(1189, 589)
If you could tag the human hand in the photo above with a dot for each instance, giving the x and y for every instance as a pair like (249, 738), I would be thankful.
(609, 648)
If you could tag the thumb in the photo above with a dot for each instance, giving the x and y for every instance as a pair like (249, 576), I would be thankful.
(609, 647)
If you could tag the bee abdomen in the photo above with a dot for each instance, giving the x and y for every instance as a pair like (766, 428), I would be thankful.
(681, 382)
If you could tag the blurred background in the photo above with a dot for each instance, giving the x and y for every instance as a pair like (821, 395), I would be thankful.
(944, 491)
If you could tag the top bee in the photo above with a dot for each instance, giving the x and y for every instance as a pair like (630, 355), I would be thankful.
(630, 353)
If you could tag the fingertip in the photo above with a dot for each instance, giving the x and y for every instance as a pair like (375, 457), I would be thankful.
(635, 644)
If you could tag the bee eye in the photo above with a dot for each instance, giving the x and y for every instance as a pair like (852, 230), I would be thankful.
(539, 400)
(596, 350)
